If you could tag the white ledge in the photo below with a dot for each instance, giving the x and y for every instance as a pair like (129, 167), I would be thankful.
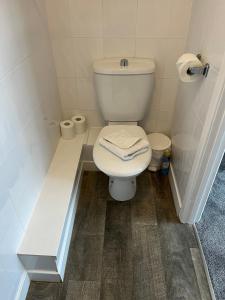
(45, 229)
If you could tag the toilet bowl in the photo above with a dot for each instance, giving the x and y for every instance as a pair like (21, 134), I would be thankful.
(122, 174)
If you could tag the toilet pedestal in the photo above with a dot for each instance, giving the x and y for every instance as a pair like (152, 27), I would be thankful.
(122, 188)
(122, 174)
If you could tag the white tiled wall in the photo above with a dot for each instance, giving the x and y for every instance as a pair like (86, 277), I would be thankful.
(84, 30)
(206, 36)
(29, 131)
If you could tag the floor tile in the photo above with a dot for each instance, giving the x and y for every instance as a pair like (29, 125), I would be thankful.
(132, 250)
(83, 290)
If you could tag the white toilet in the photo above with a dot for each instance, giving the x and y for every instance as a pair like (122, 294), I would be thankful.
(124, 88)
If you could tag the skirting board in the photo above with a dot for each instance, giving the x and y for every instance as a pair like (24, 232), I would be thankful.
(23, 287)
(175, 190)
(64, 249)
(43, 275)
(205, 264)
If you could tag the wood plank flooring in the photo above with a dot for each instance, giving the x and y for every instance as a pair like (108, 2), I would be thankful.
(134, 250)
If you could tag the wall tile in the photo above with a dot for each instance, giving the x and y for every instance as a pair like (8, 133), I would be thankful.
(11, 166)
(119, 18)
(10, 241)
(180, 13)
(163, 18)
(68, 93)
(168, 94)
(119, 47)
(86, 51)
(23, 194)
(7, 128)
(197, 28)
(10, 267)
(203, 100)
(42, 8)
(21, 89)
(14, 45)
(153, 18)
(150, 125)
(214, 43)
(6, 209)
(156, 96)
(150, 121)
(111, 28)
(9, 282)
(37, 139)
(161, 108)
(86, 94)
(64, 57)
(193, 100)
(152, 48)
(173, 49)
(94, 117)
(58, 21)
(164, 122)
(207, 37)
(165, 53)
(45, 82)
(86, 17)
(30, 103)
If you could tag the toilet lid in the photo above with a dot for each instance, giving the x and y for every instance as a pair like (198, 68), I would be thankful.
(112, 165)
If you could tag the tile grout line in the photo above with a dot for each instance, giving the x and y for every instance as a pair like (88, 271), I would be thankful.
(100, 292)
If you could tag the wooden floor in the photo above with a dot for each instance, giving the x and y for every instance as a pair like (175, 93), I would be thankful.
(132, 250)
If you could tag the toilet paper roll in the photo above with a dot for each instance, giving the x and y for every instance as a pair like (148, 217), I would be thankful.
(67, 129)
(79, 124)
(186, 61)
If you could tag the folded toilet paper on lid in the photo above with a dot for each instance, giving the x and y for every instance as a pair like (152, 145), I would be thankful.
(186, 61)
(127, 153)
(122, 139)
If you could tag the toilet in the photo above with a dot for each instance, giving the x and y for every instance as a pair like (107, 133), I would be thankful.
(124, 89)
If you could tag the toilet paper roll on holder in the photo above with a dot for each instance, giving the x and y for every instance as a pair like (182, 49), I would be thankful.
(203, 70)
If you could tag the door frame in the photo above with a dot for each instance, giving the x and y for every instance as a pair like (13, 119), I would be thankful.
(209, 155)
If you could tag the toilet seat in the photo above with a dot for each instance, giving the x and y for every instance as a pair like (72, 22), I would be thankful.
(112, 165)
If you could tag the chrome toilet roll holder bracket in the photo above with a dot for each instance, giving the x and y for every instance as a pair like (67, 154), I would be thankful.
(204, 70)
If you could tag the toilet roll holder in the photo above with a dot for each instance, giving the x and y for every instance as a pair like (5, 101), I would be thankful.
(203, 70)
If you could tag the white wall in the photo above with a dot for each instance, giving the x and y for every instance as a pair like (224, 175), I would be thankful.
(206, 36)
(84, 30)
(29, 131)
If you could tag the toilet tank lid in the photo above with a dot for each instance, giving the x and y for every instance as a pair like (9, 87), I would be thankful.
(111, 66)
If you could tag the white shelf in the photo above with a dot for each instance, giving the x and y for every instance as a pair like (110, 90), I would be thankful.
(44, 246)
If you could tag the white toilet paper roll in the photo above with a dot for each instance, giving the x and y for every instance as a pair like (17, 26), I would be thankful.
(186, 61)
(79, 124)
(67, 129)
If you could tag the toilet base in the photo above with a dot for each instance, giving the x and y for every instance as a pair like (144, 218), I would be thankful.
(122, 188)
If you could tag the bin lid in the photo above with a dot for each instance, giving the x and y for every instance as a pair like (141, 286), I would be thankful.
(159, 141)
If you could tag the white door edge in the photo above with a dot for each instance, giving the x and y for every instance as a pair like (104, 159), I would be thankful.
(209, 154)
